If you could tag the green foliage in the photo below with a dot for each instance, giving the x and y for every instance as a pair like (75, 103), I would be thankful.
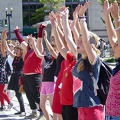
(111, 60)
(52, 4)
(111, 1)
(39, 15)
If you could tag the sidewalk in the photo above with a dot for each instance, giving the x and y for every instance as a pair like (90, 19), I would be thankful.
(9, 115)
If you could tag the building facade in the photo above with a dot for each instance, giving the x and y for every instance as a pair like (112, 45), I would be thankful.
(93, 14)
(24, 9)
(15, 20)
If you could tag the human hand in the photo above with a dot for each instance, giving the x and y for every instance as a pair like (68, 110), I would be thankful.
(53, 19)
(4, 34)
(82, 9)
(45, 34)
(75, 15)
(106, 8)
(16, 28)
(59, 19)
(115, 10)
(64, 12)
(32, 41)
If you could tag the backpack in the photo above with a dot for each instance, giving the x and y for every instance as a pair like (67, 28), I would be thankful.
(104, 82)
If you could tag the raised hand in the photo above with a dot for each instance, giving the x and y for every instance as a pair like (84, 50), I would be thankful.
(75, 15)
(53, 19)
(82, 9)
(45, 34)
(58, 16)
(115, 10)
(106, 8)
(64, 11)
(4, 35)
(16, 28)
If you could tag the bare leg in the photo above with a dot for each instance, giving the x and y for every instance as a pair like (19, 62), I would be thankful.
(57, 116)
(43, 99)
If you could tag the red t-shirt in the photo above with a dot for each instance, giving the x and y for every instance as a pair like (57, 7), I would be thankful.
(32, 64)
(66, 93)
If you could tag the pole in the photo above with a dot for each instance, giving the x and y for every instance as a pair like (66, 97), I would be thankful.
(9, 26)
(9, 15)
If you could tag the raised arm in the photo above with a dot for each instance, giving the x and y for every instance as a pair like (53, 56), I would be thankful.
(8, 49)
(85, 34)
(35, 47)
(3, 37)
(115, 14)
(62, 49)
(67, 31)
(49, 46)
(112, 37)
(40, 37)
(74, 26)
(20, 39)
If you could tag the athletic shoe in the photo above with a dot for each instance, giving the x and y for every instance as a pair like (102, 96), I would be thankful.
(22, 114)
(33, 115)
(10, 105)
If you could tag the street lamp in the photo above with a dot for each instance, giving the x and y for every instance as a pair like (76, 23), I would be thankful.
(9, 15)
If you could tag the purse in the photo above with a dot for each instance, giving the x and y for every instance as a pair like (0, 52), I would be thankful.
(21, 89)
(21, 82)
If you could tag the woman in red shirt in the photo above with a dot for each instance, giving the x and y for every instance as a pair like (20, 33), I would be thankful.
(32, 71)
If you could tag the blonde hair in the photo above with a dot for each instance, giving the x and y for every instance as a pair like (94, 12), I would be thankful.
(19, 47)
(95, 46)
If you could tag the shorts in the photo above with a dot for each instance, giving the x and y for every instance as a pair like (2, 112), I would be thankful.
(47, 88)
(91, 113)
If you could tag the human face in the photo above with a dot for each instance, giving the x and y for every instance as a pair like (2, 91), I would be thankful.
(80, 46)
(17, 52)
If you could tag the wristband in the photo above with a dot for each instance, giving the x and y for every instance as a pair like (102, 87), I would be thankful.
(41, 30)
(117, 28)
(82, 17)
(118, 20)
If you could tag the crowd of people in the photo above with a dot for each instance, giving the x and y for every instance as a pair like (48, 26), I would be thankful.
(73, 52)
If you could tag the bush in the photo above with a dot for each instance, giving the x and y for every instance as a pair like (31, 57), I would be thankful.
(111, 59)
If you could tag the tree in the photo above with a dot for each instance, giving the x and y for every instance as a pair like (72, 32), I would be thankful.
(49, 5)
(52, 4)
(111, 1)
(39, 15)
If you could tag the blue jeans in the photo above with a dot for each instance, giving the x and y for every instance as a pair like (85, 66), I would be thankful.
(108, 117)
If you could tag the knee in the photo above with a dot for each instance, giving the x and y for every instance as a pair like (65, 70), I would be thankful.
(42, 106)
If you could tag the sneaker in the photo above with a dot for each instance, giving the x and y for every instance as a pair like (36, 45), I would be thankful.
(10, 105)
(2, 108)
(41, 116)
(32, 115)
(17, 113)
(22, 114)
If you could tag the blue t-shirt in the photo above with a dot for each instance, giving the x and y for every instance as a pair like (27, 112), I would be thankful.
(85, 97)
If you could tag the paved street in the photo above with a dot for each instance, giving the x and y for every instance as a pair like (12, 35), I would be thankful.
(9, 115)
